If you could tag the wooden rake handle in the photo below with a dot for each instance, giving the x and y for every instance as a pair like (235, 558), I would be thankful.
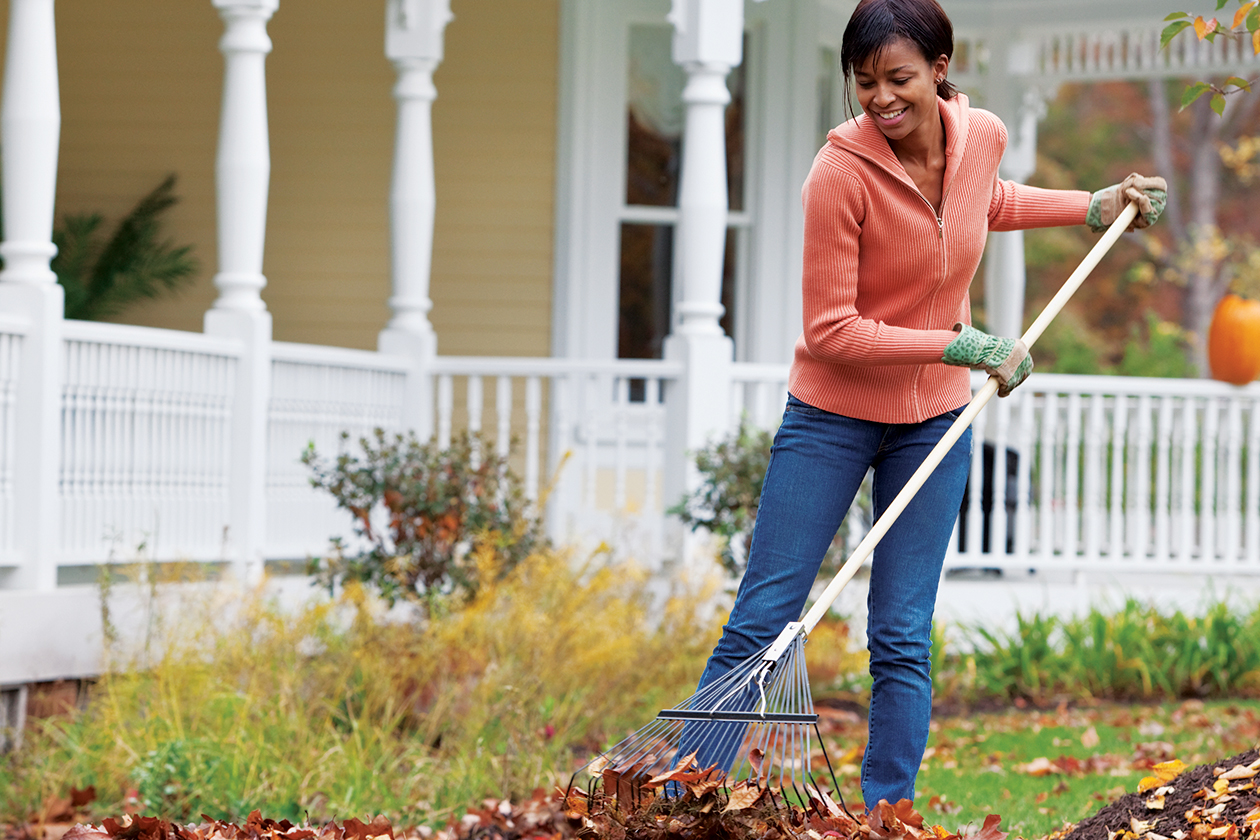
(978, 402)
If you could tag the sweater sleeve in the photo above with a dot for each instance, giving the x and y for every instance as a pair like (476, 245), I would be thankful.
(1018, 206)
(834, 330)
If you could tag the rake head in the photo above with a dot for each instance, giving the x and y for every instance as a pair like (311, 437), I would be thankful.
(750, 727)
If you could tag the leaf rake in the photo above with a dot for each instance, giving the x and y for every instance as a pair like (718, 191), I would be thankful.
(753, 728)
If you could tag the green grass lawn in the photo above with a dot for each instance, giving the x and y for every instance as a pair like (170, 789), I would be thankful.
(1017, 763)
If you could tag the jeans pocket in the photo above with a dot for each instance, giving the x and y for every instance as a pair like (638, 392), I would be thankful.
(798, 407)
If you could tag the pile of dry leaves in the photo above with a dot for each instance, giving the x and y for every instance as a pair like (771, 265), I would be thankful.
(1212, 802)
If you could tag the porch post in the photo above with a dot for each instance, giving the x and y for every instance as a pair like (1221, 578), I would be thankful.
(242, 174)
(30, 130)
(708, 42)
(1020, 107)
(413, 42)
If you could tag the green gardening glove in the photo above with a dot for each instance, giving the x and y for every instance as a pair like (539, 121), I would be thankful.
(1005, 358)
(1151, 194)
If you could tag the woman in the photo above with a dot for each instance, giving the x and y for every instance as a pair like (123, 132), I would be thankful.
(897, 208)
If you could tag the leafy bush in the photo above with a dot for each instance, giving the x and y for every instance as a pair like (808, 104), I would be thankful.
(438, 504)
(732, 471)
(1136, 652)
(725, 503)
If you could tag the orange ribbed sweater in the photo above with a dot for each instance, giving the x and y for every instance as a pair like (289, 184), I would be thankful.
(885, 280)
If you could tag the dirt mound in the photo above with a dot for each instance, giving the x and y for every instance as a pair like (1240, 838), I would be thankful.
(1210, 802)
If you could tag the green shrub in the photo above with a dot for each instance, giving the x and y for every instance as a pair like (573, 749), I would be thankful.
(1134, 653)
(433, 505)
(732, 471)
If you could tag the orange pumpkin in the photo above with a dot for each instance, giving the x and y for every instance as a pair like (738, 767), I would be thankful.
(1234, 340)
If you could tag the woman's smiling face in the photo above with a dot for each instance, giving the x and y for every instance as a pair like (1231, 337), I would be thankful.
(897, 88)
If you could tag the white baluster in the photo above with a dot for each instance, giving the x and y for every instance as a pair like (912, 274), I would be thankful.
(1141, 495)
(1071, 479)
(533, 424)
(1231, 547)
(1251, 522)
(1048, 501)
(503, 410)
(560, 452)
(998, 521)
(1023, 512)
(1207, 448)
(591, 394)
(476, 397)
(621, 402)
(975, 513)
(445, 409)
(1185, 509)
(652, 440)
(1163, 481)
(1091, 503)
(1119, 446)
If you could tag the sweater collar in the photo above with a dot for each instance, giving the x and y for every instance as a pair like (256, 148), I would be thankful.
(863, 138)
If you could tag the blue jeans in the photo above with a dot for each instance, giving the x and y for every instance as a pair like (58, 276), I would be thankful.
(816, 467)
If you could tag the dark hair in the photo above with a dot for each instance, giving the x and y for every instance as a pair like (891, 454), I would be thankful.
(876, 23)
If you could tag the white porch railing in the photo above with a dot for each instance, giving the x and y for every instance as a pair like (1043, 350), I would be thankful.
(1099, 473)
(1119, 473)
(316, 394)
(589, 435)
(144, 442)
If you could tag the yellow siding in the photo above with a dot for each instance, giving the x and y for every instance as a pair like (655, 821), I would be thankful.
(494, 138)
(141, 84)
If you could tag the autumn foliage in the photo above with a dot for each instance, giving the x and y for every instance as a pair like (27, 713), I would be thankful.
(418, 511)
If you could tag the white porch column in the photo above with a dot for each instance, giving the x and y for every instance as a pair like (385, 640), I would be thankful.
(1020, 107)
(413, 42)
(708, 42)
(30, 130)
(242, 174)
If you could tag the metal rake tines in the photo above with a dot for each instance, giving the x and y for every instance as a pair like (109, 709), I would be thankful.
(753, 723)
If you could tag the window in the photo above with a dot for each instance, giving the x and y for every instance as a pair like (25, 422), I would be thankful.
(653, 133)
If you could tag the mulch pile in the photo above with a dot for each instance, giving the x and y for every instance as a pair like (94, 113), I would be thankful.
(1211, 802)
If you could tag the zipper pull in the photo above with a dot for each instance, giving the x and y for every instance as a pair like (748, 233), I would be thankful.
(940, 226)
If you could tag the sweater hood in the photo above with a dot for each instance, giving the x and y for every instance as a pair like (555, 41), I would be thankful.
(860, 136)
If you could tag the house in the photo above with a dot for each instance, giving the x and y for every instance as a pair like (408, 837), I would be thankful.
(436, 214)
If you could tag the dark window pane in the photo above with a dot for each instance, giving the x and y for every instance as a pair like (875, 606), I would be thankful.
(654, 121)
(647, 257)
(654, 118)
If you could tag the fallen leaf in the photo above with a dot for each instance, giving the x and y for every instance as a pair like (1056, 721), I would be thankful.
(1238, 772)
(1089, 738)
(989, 831)
(743, 795)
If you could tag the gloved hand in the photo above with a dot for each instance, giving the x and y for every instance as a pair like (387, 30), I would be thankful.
(1151, 194)
(1005, 358)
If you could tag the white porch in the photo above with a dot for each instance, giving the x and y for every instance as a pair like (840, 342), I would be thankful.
(115, 436)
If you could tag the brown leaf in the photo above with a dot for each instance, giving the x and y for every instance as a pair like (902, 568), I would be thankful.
(85, 832)
(744, 795)
(988, 831)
